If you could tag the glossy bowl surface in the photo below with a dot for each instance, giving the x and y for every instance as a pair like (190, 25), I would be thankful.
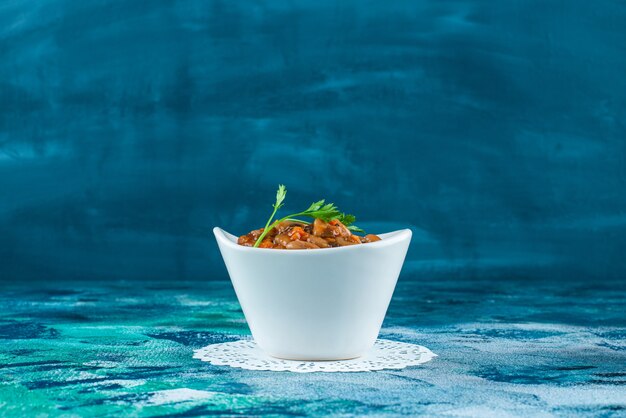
(323, 304)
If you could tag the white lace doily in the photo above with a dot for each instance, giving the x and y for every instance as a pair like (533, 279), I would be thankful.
(246, 354)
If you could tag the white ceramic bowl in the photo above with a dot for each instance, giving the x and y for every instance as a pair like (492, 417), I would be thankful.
(325, 304)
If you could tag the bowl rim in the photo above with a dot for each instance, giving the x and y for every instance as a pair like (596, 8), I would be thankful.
(387, 239)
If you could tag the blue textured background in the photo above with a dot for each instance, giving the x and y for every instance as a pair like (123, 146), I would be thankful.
(495, 129)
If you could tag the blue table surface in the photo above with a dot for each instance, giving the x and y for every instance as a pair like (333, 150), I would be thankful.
(506, 347)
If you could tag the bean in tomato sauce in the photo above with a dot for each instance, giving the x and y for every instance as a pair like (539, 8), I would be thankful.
(293, 235)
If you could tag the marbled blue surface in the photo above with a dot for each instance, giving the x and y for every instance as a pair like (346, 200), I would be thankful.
(495, 130)
(129, 129)
(506, 348)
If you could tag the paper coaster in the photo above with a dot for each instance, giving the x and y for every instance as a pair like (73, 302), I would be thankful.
(245, 354)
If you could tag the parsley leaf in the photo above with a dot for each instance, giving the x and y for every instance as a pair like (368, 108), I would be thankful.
(318, 210)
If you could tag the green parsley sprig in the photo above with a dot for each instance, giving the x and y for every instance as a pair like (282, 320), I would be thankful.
(318, 210)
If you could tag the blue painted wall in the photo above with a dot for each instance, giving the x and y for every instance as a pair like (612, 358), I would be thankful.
(496, 130)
